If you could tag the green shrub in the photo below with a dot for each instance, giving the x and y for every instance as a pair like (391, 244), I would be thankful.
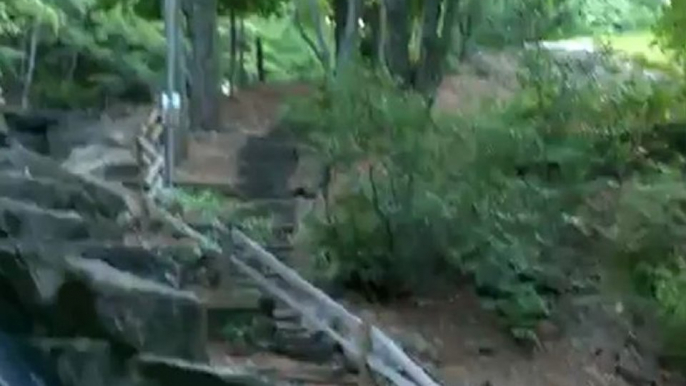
(643, 248)
(497, 197)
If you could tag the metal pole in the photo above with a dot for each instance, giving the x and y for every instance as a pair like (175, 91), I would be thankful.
(169, 105)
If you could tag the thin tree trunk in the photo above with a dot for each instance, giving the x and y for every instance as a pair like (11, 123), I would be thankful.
(340, 16)
(435, 45)
(234, 53)
(182, 137)
(23, 47)
(319, 32)
(350, 38)
(74, 63)
(397, 50)
(466, 26)
(241, 55)
(429, 50)
(383, 28)
(370, 41)
(205, 91)
(261, 76)
(33, 49)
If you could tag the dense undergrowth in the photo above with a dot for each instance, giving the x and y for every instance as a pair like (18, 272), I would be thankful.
(526, 200)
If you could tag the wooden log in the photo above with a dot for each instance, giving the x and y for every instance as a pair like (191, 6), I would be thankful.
(147, 146)
(144, 204)
(154, 171)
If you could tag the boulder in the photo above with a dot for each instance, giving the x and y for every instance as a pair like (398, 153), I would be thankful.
(15, 318)
(83, 362)
(159, 267)
(96, 159)
(50, 193)
(142, 314)
(30, 128)
(22, 365)
(113, 201)
(635, 369)
(174, 372)
(27, 221)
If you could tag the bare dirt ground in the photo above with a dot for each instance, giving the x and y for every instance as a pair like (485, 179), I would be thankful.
(471, 347)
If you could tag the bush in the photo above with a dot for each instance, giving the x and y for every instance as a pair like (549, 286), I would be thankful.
(499, 197)
(508, 22)
(424, 201)
(645, 241)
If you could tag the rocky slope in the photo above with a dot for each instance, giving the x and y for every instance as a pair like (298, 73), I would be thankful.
(80, 304)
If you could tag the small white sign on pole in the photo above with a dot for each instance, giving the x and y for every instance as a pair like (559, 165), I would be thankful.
(165, 101)
(176, 101)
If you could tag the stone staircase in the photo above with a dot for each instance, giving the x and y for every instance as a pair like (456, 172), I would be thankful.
(263, 172)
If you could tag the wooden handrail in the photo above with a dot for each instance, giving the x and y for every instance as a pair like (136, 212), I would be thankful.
(386, 358)
(319, 310)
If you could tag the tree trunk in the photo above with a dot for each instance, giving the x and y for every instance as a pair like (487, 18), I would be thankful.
(435, 45)
(467, 24)
(429, 50)
(204, 101)
(382, 32)
(182, 137)
(234, 53)
(319, 32)
(397, 49)
(261, 76)
(370, 41)
(350, 39)
(33, 50)
(74, 63)
(242, 78)
(340, 17)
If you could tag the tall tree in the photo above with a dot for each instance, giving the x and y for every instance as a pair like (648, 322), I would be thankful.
(399, 32)
(204, 64)
(436, 39)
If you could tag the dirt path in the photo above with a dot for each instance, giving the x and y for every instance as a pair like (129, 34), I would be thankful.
(470, 347)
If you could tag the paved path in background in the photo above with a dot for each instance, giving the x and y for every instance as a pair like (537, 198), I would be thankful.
(583, 44)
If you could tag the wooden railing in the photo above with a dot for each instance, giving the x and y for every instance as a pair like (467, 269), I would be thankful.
(317, 310)
(150, 154)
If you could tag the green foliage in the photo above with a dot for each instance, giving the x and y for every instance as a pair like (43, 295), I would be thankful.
(426, 199)
(211, 206)
(602, 16)
(108, 45)
(206, 202)
(646, 251)
(504, 22)
(417, 200)
(286, 57)
(670, 30)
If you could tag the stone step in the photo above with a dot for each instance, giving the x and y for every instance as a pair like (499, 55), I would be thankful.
(47, 192)
(172, 371)
(315, 347)
(233, 300)
(280, 210)
(290, 327)
(122, 172)
(25, 220)
(105, 199)
(299, 372)
(284, 313)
